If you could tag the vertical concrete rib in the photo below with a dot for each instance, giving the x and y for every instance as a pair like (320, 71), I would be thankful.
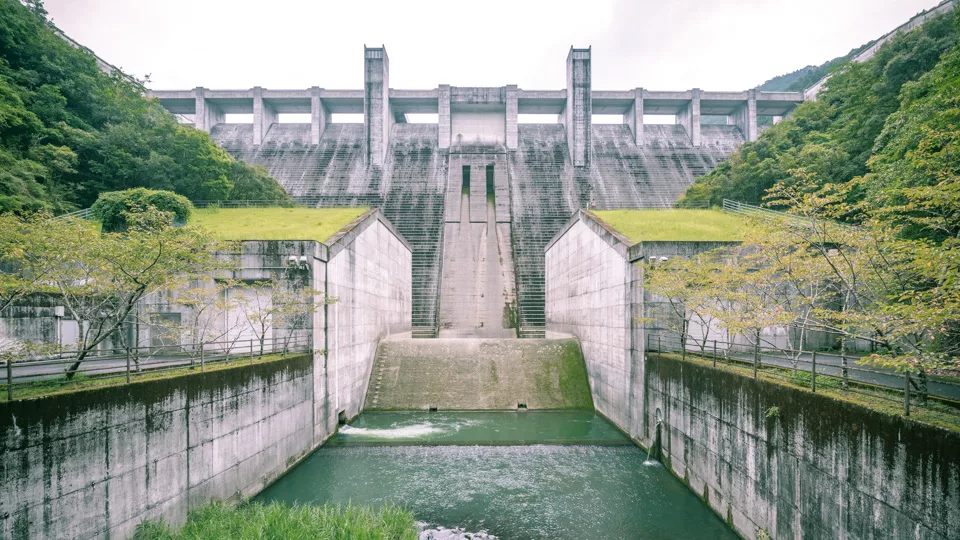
(318, 116)
(376, 103)
(263, 116)
(513, 135)
(634, 116)
(578, 109)
(689, 117)
(443, 115)
(745, 117)
(207, 114)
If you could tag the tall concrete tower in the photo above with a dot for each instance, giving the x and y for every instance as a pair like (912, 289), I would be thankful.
(376, 103)
(578, 110)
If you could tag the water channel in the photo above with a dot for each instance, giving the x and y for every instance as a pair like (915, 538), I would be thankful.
(516, 475)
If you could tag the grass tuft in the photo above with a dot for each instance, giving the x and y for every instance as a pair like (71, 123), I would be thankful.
(673, 224)
(275, 520)
(275, 223)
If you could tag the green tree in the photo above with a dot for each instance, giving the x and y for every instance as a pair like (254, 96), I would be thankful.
(835, 136)
(69, 131)
(101, 277)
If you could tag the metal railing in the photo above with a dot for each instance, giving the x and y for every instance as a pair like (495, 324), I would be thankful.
(817, 370)
(86, 213)
(51, 372)
(744, 209)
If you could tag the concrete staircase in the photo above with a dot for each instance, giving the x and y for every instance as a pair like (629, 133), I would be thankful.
(478, 374)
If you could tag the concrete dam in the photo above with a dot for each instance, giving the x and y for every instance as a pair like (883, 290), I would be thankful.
(479, 194)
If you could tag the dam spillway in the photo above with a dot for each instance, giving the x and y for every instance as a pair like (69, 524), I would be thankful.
(543, 171)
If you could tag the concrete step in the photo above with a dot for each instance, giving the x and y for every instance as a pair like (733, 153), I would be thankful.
(480, 374)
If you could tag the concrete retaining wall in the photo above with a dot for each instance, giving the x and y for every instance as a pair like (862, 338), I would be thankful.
(96, 463)
(822, 469)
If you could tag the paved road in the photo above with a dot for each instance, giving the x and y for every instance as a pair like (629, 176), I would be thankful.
(39, 371)
(830, 365)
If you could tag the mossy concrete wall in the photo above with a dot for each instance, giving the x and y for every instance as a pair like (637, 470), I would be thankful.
(814, 467)
(821, 469)
(96, 463)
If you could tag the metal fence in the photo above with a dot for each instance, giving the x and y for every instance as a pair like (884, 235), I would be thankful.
(818, 370)
(744, 209)
(86, 213)
(123, 365)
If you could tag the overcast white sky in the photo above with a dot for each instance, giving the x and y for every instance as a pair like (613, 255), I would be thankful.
(655, 44)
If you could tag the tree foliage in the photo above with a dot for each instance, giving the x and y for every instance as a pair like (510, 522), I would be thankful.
(112, 207)
(69, 131)
(101, 277)
(832, 139)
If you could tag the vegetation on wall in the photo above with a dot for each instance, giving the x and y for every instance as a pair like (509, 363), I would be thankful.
(832, 139)
(68, 131)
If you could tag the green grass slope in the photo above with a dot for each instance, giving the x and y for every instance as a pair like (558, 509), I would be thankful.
(673, 224)
(275, 223)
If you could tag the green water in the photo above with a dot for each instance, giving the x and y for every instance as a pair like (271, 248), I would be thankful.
(516, 475)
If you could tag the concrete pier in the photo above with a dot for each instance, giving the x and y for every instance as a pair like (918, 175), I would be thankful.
(579, 111)
(689, 117)
(443, 115)
(633, 117)
(206, 113)
(513, 108)
(377, 118)
(264, 116)
(745, 117)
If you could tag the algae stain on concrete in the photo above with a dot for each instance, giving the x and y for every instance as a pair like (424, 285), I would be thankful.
(482, 374)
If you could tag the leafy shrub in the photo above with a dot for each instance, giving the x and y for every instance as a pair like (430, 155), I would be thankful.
(111, 207)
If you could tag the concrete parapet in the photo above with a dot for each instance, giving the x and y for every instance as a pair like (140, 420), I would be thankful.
(376, 103)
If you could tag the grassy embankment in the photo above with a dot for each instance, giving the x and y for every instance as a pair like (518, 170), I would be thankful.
(887, 401)
(216, 521)
(275, 223)
(673, 224)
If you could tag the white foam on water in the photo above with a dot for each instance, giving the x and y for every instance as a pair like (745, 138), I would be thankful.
(404, 432)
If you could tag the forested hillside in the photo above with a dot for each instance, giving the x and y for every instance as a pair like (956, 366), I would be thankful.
(803, 78)
(68, 131)
(880, 127)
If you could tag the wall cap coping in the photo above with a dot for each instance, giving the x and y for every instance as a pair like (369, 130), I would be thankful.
(601, 228)
(342, 238)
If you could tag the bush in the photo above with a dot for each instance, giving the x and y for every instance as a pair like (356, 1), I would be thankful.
(111, 207)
